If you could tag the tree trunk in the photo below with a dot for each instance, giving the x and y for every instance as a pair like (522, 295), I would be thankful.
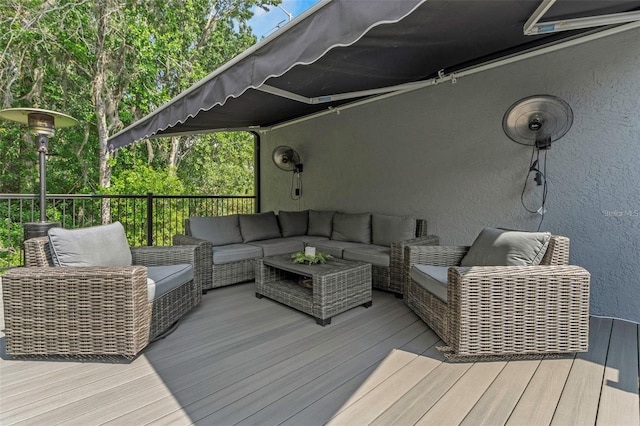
(99, 86)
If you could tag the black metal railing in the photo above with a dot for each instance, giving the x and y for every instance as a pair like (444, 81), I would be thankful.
(148, 219)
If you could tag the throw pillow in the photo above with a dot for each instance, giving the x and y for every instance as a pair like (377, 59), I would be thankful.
(352, 227)
(499, 247)
(293, 224)
(259, 226)
(104, 245)
(320, 223)
(220, 230)
(391, 229)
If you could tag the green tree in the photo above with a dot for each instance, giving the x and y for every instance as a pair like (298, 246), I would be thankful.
(107, 63)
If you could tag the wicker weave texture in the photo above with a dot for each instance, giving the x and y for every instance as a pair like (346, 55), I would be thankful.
(501, 310)
(518, 310)
(91, 311)
(76, 311)
(344, 286)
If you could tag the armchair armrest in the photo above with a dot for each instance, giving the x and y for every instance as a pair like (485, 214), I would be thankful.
(76, 310)
(518, 309)
(171, 255)
(396, 260)
(206, 256)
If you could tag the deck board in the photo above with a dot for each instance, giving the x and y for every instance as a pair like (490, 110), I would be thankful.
(619, 399)
(579, 403)
(236, 359)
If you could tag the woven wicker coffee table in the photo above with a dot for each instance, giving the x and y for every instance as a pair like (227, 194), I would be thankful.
(336, 286)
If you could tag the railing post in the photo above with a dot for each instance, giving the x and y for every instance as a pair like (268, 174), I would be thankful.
(149, 218)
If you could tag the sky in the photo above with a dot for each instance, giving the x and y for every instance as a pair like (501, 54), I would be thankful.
(264, 23)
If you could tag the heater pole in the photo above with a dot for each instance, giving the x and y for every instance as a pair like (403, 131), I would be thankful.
(43, 142)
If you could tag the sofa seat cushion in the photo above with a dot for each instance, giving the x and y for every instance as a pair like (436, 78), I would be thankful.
(335, 248)
(220, 230)
(431, 278)
(500, 247)
(163, 279)
(373, 254)
(278, 246)
(386, 230)
(309, 240)
(102, 245)
(235, 253)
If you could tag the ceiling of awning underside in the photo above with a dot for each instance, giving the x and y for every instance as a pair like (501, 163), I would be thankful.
(434, 35)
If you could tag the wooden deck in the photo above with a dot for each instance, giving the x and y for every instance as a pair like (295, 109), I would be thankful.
(236, 359)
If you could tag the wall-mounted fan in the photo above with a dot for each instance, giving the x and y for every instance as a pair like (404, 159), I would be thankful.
(538, 120)
(287, 159)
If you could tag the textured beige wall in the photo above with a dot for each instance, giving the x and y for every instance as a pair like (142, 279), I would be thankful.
(440, 153)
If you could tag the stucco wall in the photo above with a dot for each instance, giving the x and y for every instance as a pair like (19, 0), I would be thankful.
(440, 153)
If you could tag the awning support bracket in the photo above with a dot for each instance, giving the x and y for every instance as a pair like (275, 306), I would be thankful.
(533, 26)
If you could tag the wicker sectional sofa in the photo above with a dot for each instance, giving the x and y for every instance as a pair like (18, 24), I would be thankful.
(230, 244)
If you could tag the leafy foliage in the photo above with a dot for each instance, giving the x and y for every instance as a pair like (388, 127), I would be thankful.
(109, 63)
(300, 257)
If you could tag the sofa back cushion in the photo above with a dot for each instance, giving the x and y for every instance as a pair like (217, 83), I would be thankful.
(220, 230)
(499, 247)
(391, 229)
(352, 227)
(104, 245)
(320, 223)
(259, 226)
(293, 224)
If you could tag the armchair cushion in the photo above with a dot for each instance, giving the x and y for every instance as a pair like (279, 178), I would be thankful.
(352, 227)
(293, 224)
(431, 278)
(320, 223)
(499, 247)
(259, 226)
(103, 245)
(163, 279)
(220, 230)
(386, 230)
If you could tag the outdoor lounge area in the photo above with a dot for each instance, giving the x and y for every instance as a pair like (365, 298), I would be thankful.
(235, 359)
(402, 109)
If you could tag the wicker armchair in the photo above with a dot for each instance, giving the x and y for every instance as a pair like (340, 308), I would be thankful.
(504, 310)
(91, 311)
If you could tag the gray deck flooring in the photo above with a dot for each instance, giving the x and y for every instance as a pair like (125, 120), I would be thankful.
(236, 359)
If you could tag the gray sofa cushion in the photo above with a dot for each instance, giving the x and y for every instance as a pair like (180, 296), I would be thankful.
(293, 223)
(373, 254)
(391, 229)
(352, 227)
(104, 245)
(163, 279)
(499, 247)
(235, 253)
(320, 223)
(432, 278)
(335, 248)
(220, 230)
(277, 246)
(259, 226)
(309, 240)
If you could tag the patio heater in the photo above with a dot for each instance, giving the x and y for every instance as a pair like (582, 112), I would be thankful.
(42, 124)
